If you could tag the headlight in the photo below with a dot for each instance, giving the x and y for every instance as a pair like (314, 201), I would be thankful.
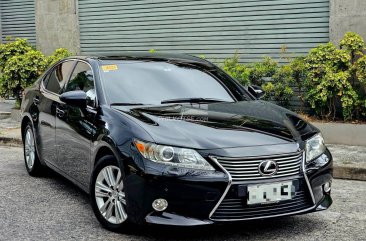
(173, 156)
(314, 147)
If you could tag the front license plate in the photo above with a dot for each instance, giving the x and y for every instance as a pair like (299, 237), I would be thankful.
(269, 193)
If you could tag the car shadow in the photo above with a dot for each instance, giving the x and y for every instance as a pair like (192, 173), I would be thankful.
(229, 231)
(67, 185)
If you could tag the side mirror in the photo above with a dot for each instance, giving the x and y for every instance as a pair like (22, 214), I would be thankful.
(256, 91)
(74, 98)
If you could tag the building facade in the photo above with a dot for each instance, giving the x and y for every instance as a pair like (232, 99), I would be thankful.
(17, 18)
(213, 28)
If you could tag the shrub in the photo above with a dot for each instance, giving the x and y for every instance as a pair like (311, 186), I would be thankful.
(21, 71)
(275, 80)
(279, 87)
(235, 69)
(353, 43)
(57, 56)
(299, 73)
(21, 65)
(331, 80)
(360, 73)
(337, 78)
(14, 48)
(360, 70)
(328, 81)
(258, 71)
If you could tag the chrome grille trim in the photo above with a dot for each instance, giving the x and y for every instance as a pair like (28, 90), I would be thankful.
(246, 168)
(307, 179)
(260, 216)
(227, 188)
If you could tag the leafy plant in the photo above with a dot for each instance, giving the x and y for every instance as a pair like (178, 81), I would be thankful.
(57, 55)
(336, 79)
(360, 70)
(21, 71)
(328, 81)
(21, 65)
(299, 73)
(331, 80)
(279, 88)
(13, 48)
(235, 69)
(353, 43)
(259, 71)
(360, 73)
(275, 80)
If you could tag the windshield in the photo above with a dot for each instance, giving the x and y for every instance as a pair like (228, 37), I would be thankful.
(133, 82)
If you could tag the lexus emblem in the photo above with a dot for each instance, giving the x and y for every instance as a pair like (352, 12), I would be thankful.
(268, 168)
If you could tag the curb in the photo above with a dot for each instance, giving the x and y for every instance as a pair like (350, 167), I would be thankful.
(4, 115)
(352, 173)
(13, 142)
(339, 172)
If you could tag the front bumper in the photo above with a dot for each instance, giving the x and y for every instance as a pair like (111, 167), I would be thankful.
(201, 198)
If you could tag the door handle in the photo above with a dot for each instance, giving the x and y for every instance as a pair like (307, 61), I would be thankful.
(36, 100)
(60, 112)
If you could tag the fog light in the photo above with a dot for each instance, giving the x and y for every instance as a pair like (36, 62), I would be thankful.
(160, 204)
(327, 186)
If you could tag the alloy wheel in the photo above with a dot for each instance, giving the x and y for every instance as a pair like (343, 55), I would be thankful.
(110, 196)
(29, 149)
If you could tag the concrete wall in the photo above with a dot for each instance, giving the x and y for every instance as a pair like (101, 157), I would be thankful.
(1, 36)
(57, 25)
(347, 15)
(342, 133)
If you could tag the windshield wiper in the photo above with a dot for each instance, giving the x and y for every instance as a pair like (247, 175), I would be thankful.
(126, 104)
(192, 100)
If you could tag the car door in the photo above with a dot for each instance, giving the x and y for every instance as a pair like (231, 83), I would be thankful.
(47, 101)
(74, 126)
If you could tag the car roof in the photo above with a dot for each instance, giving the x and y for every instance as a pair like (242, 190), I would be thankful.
(148, 56)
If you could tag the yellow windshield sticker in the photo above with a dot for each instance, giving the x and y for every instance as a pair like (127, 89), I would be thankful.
(110, 67)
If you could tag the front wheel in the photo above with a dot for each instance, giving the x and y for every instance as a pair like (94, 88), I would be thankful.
(108, 195)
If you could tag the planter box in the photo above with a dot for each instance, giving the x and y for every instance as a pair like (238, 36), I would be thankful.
(343, 133)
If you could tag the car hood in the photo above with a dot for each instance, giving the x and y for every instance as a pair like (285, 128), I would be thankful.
(220, 125)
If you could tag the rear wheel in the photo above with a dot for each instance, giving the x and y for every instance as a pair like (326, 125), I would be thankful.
(31, 158)
(108, 195)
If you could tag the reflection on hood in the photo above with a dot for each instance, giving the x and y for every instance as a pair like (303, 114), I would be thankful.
(246, 116)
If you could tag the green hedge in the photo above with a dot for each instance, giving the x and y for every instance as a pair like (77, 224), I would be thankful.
(331, 80)
(21, 65)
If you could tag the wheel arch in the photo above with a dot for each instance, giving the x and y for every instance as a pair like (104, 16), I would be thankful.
(107, 147)
(101, 152)
(104, 148)
(25, 120)
(24, 123)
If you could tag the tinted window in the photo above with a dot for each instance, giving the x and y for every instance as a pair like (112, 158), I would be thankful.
(82, 79)
(153, 82)
(59, 76)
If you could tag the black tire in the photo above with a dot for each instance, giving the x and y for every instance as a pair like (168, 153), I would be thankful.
(104, 162)
(36, 169)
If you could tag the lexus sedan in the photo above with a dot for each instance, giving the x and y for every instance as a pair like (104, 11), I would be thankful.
(171, 140)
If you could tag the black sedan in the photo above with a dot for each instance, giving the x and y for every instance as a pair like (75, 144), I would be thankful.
(172, 140)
